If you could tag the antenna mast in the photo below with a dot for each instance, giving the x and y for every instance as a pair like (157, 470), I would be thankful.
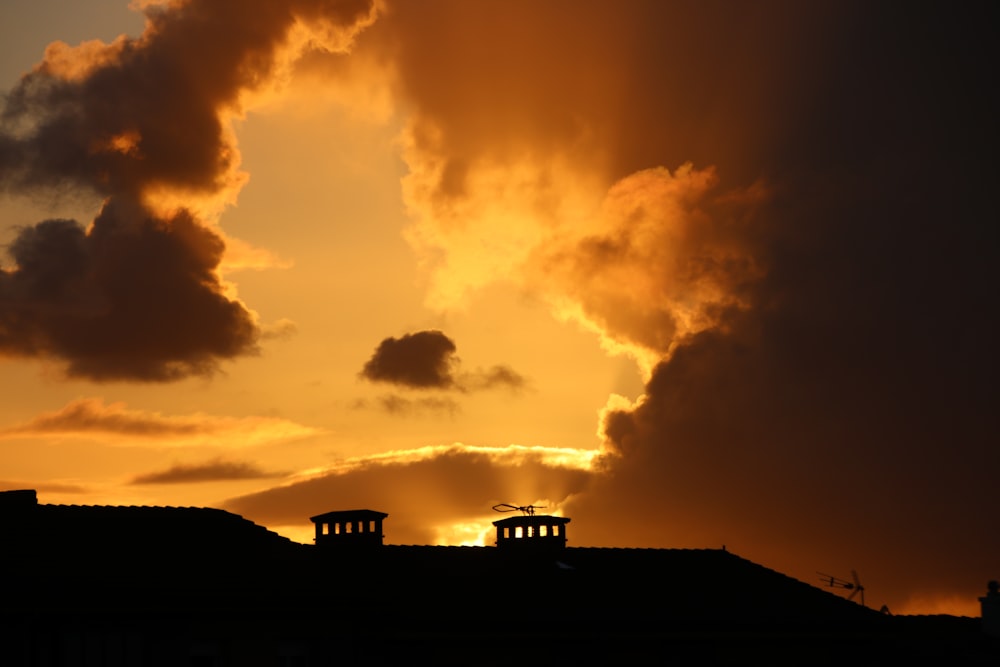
(527, 510)
(854, 586)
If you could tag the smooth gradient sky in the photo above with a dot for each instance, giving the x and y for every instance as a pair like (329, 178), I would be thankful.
(690, 273)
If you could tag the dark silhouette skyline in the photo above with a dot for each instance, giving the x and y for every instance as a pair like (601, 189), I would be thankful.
(198, 586)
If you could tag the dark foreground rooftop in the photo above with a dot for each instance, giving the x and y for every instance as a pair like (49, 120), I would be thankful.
(88, 585)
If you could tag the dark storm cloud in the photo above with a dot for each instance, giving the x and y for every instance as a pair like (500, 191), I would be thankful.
(211, 471)
(834, 407)
(135, 298)
(425, 359)
(845, 420)
(142, 123)
(634, 86)
(147, 112)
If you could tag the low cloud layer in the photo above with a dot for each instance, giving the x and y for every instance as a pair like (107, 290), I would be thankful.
(217, 470)
(115, 423)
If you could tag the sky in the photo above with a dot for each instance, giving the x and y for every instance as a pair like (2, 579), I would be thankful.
(692, 274)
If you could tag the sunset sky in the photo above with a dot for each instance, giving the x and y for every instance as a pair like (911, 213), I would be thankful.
(690, 273)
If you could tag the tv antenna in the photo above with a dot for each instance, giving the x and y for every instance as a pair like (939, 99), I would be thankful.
(854, 586)
(527, 510)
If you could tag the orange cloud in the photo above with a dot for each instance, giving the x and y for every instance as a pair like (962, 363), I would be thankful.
(75, 63)
(667, 260)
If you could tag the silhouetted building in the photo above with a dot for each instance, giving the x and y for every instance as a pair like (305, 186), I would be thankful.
(167, 586)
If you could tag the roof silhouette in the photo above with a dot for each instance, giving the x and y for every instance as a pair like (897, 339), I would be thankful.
(185, 585)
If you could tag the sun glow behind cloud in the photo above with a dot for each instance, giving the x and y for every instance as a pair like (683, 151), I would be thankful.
(434, 494)
(661, 174)
(656, 258)
(511, 455)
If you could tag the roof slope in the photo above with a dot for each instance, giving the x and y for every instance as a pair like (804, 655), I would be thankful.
(171, 576)
(127, 554)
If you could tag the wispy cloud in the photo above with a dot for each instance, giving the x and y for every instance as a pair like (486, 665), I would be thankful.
(216, 470)
(397, 405)
(495, 377)
(511, 455)
(117, 424)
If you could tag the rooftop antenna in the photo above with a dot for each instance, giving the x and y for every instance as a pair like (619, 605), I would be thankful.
(527, 510)
(854, 586)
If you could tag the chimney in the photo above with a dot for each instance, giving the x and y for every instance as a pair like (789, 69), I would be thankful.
(349, 530)
(531, 534)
